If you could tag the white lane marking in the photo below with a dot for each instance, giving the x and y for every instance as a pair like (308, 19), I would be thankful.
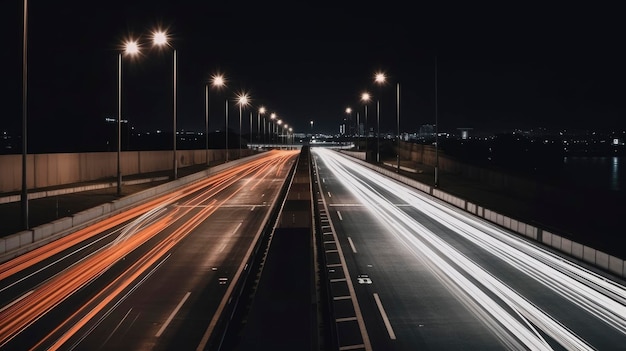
(252, 209)
(346, 297)
(352, 347)
(237, 228)
(222, 247)
(346, 319)
(329, 194)
(392, 335)
(351, 245)
(339, 214)
(169, 319)
(117, 327)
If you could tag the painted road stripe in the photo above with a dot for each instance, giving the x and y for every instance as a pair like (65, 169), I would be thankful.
(392, 335)
(169, 319)
(346, 297)
(338, 280)
(347, 319)
(339, 214)
(352, 347)
(352, 245)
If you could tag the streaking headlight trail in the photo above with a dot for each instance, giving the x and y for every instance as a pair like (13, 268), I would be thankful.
(514, 319)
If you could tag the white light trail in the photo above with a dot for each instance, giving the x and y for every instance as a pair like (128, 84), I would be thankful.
(601, 297)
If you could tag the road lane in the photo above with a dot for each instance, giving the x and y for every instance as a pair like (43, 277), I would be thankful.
(147, 245)
(450, 281)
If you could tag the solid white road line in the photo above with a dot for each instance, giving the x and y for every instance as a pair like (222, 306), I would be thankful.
(169, 319)
(339, 214)
(392, 335)
(352, 245)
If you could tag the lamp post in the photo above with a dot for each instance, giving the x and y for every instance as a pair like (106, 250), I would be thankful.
(242, 100)
(279, 122)
(24, 192)
(398, 125)
(226, 129)
(161, 38)
(380, 78)
(130, 48)
(260, 112)
(358, 132)
(217, 81)
(349, 112)
(365, 97)
(285, 136)
(272, 128)
(436, 132)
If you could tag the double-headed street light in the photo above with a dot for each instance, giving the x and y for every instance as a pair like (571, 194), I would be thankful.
(130, 48)
(217, 81)
(161, 38)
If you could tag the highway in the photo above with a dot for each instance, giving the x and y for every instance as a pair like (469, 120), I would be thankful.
(153, 277)
(407, 271)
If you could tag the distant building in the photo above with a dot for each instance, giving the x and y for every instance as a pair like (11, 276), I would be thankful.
(464, 132)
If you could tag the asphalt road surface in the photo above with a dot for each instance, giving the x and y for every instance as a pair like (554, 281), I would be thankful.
(156, 276)
(408, 272)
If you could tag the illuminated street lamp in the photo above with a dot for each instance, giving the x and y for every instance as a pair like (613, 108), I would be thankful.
(272, 128)
(217, 81)
(260, 112)
(381, 79)
(24, 192)
(285, 136)
(131, 48)
(161, 38)
(349, 113)
(279, 122)
(242, 100)
(365, 97)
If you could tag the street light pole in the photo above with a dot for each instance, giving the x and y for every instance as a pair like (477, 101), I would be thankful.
(24, 193)
(206, 122)
(226, 129)
(365, 97)
(119, 123)
(398, 124)
(130, 48)
(217, 81)
(175, 90)
(436, 132)
(358, 132)
(377, 130)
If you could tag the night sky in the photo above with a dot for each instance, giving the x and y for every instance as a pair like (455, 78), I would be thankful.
(499, 66)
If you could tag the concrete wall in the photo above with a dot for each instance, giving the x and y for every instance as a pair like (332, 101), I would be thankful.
(24, 241)
(45, 170)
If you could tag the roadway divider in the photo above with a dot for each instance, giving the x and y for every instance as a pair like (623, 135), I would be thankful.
(277, 290)
(589, 255)
(16, 244)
